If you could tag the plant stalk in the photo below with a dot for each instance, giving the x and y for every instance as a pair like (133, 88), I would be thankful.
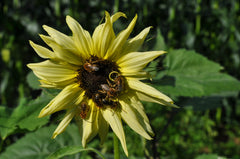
(116, 147)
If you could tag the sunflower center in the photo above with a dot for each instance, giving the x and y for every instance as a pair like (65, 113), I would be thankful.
(101, 80)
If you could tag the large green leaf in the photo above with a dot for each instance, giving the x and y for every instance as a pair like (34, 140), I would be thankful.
(190, 74)
(160, 43)
(39, 145)
(33, 81)
(202, 103)
(70, 150)
(209, 156)
(23, 117)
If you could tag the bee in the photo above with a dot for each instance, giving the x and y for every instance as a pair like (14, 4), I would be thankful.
(119, 83)
(84, 109)
(97, 98)
(111, 103)
(91, 67)
(109, 91)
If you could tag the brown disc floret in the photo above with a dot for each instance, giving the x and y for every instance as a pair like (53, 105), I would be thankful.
(101, 80)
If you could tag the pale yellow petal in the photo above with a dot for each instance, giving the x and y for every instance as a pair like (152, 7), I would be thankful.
(60, 38)
(132, 74)
(53, 72)
(96, 40)
(103, 36)
(150, 91)
(81, 37)
(135, 43)
(56, 85)
(139, 109)
(42, 51)
(145, 97)
(64, 123)
(136, 61)
(68, 98)
(114, 119)
(90, 125)
(133, 118)
(62, 53)
(47, 84)
(116, 46)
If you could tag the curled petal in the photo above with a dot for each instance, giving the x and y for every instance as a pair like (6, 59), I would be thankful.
(117, 15)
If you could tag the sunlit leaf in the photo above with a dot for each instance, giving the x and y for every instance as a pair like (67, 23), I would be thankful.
(160, 43)
(40, 145)
(24, 116)
(192, 75)
(203, 103)
(33, 81)
(209, 156)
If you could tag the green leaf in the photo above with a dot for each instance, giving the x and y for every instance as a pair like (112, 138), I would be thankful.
(40, 145)
(32, 81)
(209, 156)
(192, 75)
(70, 150)
(25, 116)
(5, 123)
(29, 118)
(202, 103)
(160, 43)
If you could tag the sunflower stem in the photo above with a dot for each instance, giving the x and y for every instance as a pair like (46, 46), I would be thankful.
(116, 147)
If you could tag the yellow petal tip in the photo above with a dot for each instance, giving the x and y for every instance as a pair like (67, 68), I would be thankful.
(29, 65)
(54, 135)
(44, 26)
(68, 18)
(40, 115)
(30, 42)
(124, 15)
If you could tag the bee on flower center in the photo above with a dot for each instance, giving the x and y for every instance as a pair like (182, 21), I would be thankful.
(90, 67)
(102, 81)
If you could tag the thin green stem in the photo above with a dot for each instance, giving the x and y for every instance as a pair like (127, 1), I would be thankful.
(116, 147)
(116, 6)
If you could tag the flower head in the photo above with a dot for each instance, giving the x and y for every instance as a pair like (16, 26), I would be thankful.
(100, 79)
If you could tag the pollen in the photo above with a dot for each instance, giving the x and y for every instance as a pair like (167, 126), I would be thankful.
(102, 81)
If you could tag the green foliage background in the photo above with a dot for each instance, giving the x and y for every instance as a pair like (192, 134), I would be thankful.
(203, 78)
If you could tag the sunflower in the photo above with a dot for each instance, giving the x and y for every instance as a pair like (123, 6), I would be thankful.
(100, 79)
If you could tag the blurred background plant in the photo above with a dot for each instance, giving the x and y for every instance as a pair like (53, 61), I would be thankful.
(207, 125)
